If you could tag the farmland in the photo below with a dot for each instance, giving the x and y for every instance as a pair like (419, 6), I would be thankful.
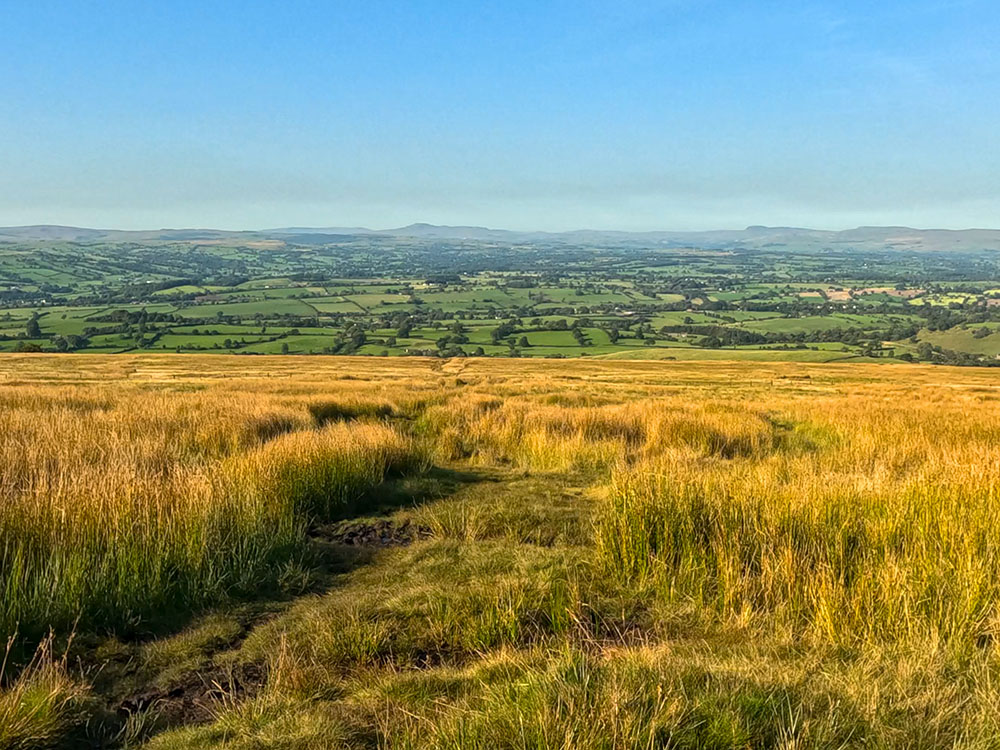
(213, 551)
(406, 296)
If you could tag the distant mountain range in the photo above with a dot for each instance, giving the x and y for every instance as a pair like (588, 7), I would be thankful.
(867, 238)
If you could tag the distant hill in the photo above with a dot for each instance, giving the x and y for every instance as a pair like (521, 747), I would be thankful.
(754, 236)
(429, 231)
(57, 233)
(867, 238)
(51, 232)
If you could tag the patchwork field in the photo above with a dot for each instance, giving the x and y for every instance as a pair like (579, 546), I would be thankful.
(405, 296)
(230, 552)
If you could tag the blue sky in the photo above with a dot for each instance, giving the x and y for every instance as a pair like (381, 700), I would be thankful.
(674, 114)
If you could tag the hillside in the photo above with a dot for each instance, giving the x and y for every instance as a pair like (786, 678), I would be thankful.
(385, 295)
(366, 553)
(861, 238)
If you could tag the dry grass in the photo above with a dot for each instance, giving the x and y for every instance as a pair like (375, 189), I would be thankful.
(115, 504)
(782, 555)
(870, 522)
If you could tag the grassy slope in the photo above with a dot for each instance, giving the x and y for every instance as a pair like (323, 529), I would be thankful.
(503, 627)
(961, 340)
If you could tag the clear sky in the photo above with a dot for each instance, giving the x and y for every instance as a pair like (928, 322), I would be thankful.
(672, 114)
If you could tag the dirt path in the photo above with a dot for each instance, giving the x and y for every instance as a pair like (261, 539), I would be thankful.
(181, 679)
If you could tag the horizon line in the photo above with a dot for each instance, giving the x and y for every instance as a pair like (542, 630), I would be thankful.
(301, 228)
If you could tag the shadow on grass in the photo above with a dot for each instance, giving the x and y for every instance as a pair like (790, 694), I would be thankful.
(395, 493)
(167, 664)
(399, 492)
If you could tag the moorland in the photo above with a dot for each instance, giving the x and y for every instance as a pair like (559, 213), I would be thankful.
(213, 551)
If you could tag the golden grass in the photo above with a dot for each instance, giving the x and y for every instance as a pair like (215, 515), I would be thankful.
(763, 488)
(838, 507)
(118, 503)
(868, 521)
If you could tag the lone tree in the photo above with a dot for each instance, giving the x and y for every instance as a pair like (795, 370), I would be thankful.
(32, 329)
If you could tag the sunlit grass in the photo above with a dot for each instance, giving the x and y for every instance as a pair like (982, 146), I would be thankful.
(645, 555)
(145, 505)
(887, 533)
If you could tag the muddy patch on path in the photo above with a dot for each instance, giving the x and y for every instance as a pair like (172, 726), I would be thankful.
(373, 533)
(195, 698)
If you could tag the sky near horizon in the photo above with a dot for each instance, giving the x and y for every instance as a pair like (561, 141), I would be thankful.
(653, 114)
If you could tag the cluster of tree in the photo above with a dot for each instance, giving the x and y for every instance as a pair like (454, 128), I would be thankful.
(930, 353)
(70, 342)
(718, 336)
(18, 296)
(505, 329)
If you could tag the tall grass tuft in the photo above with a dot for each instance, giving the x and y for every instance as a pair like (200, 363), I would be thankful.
(40, 706)
(885, 533)
(556, 437)
(152, 505)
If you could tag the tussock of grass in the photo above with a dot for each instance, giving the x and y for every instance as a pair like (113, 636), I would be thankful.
(337, 411)
(266, 721)
(42, 704)
(865, 539)
(317, 473)
(157, 506)
(695, 696)
(594, 438)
